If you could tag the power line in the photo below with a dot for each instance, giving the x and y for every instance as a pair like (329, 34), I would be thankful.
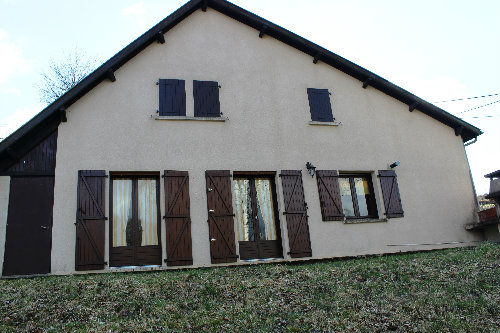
(478, 107)
(494, 116)
(466, 98)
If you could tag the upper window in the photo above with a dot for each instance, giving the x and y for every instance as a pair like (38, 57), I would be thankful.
(358, 200)
(206, 99)
(319, 103)
(172, 97)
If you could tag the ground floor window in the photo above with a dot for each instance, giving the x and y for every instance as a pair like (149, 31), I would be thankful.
(358, 199)
(256, 218)
(135, 223)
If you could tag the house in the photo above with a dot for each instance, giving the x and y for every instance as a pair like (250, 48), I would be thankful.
(489, 218)
(219, 138)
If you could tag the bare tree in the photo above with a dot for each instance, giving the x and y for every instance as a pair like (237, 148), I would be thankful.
(62, 76)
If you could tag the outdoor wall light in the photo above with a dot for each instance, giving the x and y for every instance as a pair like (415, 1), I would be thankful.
(311, 169)
(395, 164)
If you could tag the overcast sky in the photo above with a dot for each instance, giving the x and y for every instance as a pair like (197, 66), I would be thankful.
(436, 49)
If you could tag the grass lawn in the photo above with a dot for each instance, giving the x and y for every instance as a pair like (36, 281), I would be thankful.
(456, 290)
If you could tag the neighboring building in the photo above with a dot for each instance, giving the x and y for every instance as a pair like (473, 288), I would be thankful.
(489, 218)
(217, 175)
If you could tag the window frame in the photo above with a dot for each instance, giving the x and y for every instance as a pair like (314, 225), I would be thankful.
(371, 202)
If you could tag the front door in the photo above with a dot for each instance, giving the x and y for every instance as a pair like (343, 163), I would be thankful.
(29, 226)
(256, 219)
(135, 225)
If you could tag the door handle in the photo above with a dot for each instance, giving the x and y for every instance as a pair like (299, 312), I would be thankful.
(44, 227)
(213, 240)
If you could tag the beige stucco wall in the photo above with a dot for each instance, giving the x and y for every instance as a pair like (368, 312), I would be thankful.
(4, 208)
(264, 96)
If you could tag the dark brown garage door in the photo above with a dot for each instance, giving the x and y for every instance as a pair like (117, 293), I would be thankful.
(29, 226)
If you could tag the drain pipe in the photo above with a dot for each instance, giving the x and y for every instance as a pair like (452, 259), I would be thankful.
(470, 142)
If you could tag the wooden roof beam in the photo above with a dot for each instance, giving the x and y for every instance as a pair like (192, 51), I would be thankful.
(367, 82)
(317, 57)
(412, 106)
(62, 115)
(160, 39)
(110, 75)
(262, 31)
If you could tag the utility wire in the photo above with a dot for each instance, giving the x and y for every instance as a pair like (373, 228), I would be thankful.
(463, 99)
(478, 107)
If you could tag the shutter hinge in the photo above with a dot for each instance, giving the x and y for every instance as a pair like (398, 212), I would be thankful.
(106, 218)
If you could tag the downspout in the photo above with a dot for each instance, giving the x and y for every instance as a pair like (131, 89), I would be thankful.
(470, 142)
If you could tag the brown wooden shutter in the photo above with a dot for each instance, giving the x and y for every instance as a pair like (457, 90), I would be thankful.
(296, 214)
(390, 192)
(177, 218)
(172, 97)
(220, 216)
(320, 105)
(329, 195)
(90, 220)
(206, 99)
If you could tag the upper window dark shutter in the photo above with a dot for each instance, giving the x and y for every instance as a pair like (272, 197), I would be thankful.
(220, 216)
(390, 192)
(329, 195)
(172, 97)
(319, 103)
(206, 99)
(296, 214)
(90, 220)
(177, 218)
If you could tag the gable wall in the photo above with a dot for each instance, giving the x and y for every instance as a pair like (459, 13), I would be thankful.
(264, 95)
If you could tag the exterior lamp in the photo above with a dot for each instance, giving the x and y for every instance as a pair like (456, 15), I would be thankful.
(395, 164)
(311, 169)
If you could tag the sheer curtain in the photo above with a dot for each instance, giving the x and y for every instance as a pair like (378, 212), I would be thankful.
(122, 210)
(265, 205)
(243, 210)
(148, 219)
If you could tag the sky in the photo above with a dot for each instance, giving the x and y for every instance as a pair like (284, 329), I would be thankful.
(439, 50)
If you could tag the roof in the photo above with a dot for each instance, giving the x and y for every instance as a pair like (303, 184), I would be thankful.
(16, 143)
(493, 174)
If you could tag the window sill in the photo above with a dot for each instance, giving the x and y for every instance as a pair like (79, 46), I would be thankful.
(220, 119)
(325, 123)
(357, 221)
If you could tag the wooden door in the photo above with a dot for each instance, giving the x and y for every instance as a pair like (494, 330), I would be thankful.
(29, 226)
(256, 217)
(135, 224)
